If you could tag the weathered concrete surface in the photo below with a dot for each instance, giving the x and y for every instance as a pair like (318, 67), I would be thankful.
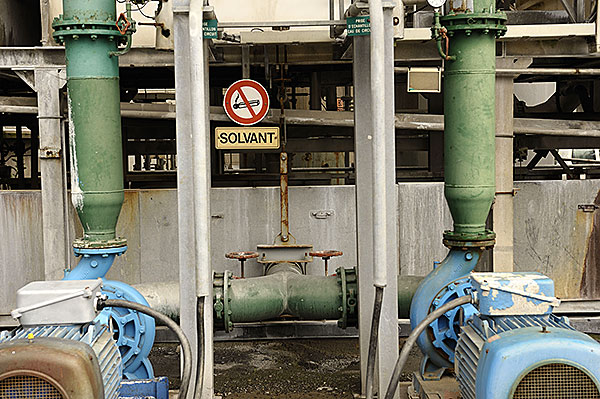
(551, 235)
(21, 246)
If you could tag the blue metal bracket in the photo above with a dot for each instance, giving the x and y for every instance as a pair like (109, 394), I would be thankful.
(155, 388)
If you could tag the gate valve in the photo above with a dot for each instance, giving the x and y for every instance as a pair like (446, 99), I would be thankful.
(242, 257)
(326, 255)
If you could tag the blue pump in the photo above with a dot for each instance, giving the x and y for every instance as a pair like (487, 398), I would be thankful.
(134, 331)
(446, 282)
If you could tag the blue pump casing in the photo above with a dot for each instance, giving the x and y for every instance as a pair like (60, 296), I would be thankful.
(501, 354)
(134, 331)
(446, 282)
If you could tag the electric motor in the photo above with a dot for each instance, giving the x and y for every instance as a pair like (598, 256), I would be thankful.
(515, 348)
(60, 351)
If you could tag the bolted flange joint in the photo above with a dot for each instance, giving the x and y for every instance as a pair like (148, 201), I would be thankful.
(92, 28)
(221, 305)
(482, 240)
(349, 292)
(467, 23)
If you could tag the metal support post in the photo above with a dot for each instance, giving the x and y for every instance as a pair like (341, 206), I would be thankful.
(284, 198)
(48, 83)
(503, 204)
(388, 333)
(20, 152)
(315, 91)
(597, 27)
(193, 152)
(185, 170)
(503, 225)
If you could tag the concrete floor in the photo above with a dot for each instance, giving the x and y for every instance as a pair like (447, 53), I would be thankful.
(280, 369)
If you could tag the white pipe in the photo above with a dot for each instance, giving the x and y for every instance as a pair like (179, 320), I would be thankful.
(200, 133)
(201, 149)
(378, 133)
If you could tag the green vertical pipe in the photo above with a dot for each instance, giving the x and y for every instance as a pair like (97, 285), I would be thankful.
(87, 28)
(469, 120)
(469, 117)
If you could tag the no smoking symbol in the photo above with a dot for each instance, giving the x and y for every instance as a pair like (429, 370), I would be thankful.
(246, 102)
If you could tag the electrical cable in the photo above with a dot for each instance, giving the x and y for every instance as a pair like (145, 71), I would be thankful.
(373, 340)
(141, 12)
(201, 355)
(412, 338)
(186, 374)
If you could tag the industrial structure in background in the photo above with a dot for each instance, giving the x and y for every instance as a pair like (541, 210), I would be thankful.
(174, 129)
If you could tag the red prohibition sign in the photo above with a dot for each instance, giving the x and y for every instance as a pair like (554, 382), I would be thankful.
(246, 102)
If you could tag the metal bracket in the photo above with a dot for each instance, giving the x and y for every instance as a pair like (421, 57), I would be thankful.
(325, 214)
(27, 75)
(587, 207)
(50, 153)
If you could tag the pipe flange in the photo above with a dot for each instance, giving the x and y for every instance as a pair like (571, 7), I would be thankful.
(348, 292)
(226, 301)
(474, 21)
(483, 240)
(82, 243)
(93, 28)
(218, 305)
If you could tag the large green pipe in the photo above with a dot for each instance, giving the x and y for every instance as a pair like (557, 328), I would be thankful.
(300, 296)
(469, 115)
(90, 35)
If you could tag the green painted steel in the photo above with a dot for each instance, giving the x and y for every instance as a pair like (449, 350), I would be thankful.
(469, 118)
(89, 32)
(300, 296)
(407, 286)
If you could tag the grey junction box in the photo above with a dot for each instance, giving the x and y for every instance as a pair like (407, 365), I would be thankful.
(57, 302)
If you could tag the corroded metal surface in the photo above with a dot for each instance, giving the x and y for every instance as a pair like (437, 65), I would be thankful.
(242, 255)
(590, 281)
(284, 201)
(72, 367)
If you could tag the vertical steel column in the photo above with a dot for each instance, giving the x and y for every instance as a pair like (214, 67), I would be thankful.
(193, 151)
(185, 172)
(48, 83)
(503, 205)
(388, 335)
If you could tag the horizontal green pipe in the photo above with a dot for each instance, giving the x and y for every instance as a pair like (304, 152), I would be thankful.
(304, 297)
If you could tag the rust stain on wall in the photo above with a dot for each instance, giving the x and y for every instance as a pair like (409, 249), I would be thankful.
(590, 281)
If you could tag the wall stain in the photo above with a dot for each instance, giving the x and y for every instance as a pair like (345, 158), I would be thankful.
(590, 281)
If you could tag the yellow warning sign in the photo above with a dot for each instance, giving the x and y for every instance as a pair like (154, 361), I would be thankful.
(252, 138)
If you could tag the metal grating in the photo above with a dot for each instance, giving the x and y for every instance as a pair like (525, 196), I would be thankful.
(28, 387)
(556, 381)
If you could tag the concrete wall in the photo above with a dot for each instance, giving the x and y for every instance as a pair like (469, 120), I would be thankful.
(551, 234)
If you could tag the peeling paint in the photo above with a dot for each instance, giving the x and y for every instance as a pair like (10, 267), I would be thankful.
(76, 192)
(514, 293)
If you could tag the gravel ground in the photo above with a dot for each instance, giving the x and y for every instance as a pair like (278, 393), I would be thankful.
(278, 369)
